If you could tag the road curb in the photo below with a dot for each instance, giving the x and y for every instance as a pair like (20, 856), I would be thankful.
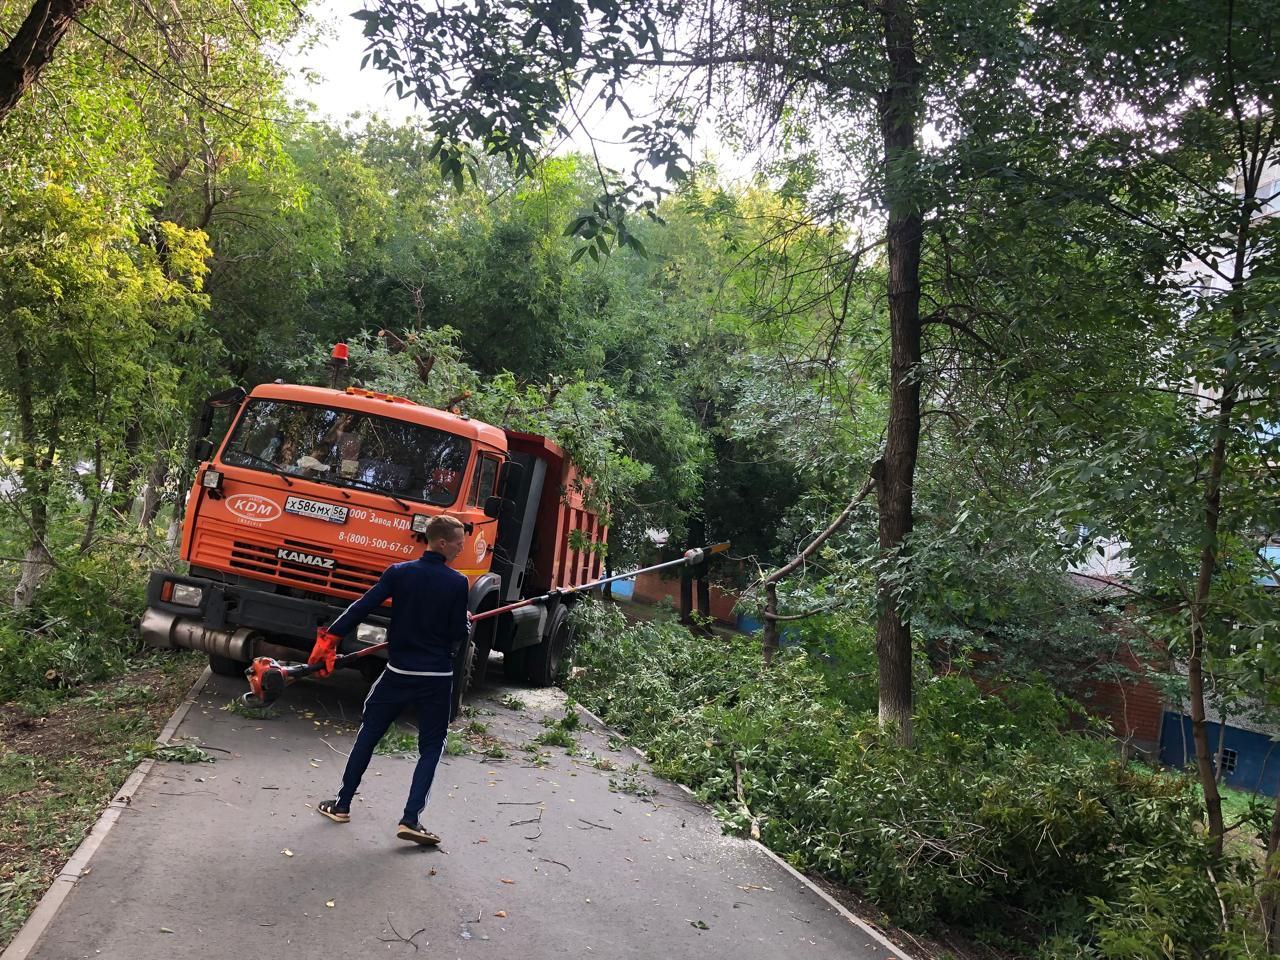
(29, 936)
(895, 951)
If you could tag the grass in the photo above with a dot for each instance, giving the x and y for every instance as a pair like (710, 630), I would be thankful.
(512, 702)
(1237, 803)
(1250, 814)
(62, 759)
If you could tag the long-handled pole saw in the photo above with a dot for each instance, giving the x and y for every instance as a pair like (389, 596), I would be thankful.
(268, 677)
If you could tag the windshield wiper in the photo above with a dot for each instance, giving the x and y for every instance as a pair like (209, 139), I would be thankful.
(377, 489)
(271, 467)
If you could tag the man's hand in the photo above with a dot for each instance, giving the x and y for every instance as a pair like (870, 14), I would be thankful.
(325, 652)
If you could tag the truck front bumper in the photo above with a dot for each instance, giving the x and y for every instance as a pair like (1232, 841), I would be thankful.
(229, 619)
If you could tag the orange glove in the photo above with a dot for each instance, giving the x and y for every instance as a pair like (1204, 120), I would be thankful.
(325, 652)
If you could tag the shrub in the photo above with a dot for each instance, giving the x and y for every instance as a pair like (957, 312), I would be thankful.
(81, 627)
(996, 821)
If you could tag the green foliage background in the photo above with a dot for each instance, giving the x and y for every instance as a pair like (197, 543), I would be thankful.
(1034, 840)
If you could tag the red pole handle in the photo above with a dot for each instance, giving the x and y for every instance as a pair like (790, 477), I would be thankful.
(696, 555)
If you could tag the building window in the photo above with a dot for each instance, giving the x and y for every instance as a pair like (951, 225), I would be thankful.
(1228, 761)
(1269, 197)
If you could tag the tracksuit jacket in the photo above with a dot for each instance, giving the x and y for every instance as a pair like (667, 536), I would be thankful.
(428, 615)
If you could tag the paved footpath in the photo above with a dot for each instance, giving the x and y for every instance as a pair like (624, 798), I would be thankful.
(230, 860)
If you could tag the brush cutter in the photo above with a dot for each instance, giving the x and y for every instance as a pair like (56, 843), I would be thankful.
(268, 677)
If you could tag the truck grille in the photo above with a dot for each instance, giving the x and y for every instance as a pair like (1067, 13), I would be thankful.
(257, 558)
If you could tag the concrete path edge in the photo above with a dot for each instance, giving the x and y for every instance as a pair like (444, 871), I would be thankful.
(836, 905)
(29, 936)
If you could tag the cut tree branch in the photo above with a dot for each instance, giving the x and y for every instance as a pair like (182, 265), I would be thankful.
(32, 47)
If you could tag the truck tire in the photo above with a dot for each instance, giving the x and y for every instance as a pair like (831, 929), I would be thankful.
(548, 662)
(482, 638)
(226, 667)
(464, 663)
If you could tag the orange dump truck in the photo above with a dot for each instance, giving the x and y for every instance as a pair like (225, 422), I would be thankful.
(313, 492)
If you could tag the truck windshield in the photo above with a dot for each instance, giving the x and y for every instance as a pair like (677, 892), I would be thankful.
(349, 448)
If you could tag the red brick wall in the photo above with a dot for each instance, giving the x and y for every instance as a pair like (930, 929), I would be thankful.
(1134, 708)
(653, 588)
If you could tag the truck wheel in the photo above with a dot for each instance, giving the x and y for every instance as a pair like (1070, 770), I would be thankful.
(226, 667)
(549, 661)
(463, 669)
(482, 638)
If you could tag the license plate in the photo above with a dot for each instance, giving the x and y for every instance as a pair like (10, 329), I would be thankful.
(316, 509)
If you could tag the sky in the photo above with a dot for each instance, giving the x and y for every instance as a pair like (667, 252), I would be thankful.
(328, 75)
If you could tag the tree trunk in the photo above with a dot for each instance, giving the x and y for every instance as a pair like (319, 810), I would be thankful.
(700, 588)
(686, 598)
(1212, 509)
(32, 47)
(154, 490)
(127, 472)
(37, 561)
(1199, 606)
(91, 525)
(770, 639)
(703, 587)
(1271, 884)
(899, 107)
(34, 476)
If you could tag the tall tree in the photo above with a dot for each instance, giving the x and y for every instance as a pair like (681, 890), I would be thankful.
(84, 302)
(1183, 162)
(503, 76)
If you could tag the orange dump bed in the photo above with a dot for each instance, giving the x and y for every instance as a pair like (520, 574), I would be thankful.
(568, 540)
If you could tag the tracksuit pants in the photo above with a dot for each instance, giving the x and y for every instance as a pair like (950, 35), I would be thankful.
(390, 693)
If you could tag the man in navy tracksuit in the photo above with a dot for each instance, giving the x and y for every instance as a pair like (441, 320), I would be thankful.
(428, 623)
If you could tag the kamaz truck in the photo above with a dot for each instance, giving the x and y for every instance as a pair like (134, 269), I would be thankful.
(312, 492)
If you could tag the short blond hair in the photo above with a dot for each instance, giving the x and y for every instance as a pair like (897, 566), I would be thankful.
(445, 527)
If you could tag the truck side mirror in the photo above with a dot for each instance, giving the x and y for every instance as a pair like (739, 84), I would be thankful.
(231, 397)
(493, 507)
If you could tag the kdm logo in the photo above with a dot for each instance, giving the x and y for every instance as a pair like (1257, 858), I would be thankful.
(251, 507)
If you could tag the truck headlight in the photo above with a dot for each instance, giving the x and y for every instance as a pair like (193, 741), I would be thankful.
(186, 595)
(420, 521)
(370, 634)
(211, 480)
